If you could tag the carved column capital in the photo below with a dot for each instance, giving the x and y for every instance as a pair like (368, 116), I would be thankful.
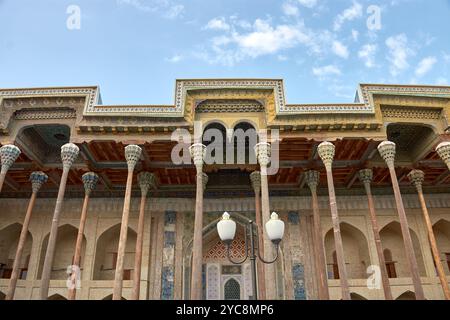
(365, 176)
(37, 179)
(255, 179)
(132, 155)
(146, 181)
(443, 150)
(263, 151)
(198, 153)
(312, 179)
(9, 154)
(417, 177)
(326, 152)
(387, 152)
(90, 180)
(69, 153)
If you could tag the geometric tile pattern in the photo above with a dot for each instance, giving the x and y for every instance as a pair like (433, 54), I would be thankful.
(219, 250)
(298, 277)
(168, 269)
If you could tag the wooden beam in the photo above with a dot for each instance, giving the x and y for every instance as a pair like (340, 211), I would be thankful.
(11, 183)
(442, 178)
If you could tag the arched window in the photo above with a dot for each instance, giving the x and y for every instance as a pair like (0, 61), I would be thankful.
(232, 290)
(390, 264)
(245, 138)
(215, 134)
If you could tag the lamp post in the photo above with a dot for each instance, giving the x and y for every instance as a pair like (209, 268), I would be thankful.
(443, 150)
(274, 229)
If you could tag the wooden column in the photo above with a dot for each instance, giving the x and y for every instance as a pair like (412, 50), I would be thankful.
(8, 154)
(366, 176)
(263, 152)
(387, 152)
(255, 179)
(313, 179)
(132, 155)
(326, 152)
(417, 177)
(37, 179)
(69, 152)
(146, 181)
(197, 152)
(90, 180)
(443, 150)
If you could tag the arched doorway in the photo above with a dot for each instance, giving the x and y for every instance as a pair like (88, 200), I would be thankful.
(392, 240)
(64, 252)
(110, 297)
(356, 252)
(9, 239)
(2, 296)
(408, 295)
(217, 269)
(232, 290)
(441, 231)
(56, 297)
(106, 254)
(355, 296)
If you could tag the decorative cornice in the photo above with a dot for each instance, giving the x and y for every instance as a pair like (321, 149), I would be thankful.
(364, 104)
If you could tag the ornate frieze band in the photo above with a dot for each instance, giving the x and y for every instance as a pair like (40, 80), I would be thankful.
(109, 206)
(93, 107)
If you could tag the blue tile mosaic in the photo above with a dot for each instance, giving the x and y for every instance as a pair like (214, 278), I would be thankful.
(293, 217)
(170, 217)
(298, 277)
(169, 239)
(167, 283)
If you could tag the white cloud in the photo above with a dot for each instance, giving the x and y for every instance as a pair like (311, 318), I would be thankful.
(425, 66)
(340, 49)
(168, 8)
(349, 14)
(217, 24)
(308, 3)
(399, 52)
(325, 71)
(290, 9)
(267, 39)
(240, 41)
(175, 58)
(367, 53)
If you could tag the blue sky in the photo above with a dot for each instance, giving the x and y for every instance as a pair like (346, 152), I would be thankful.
(135, 49)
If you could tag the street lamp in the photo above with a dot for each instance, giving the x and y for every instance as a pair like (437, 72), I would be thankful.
(227, 231)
